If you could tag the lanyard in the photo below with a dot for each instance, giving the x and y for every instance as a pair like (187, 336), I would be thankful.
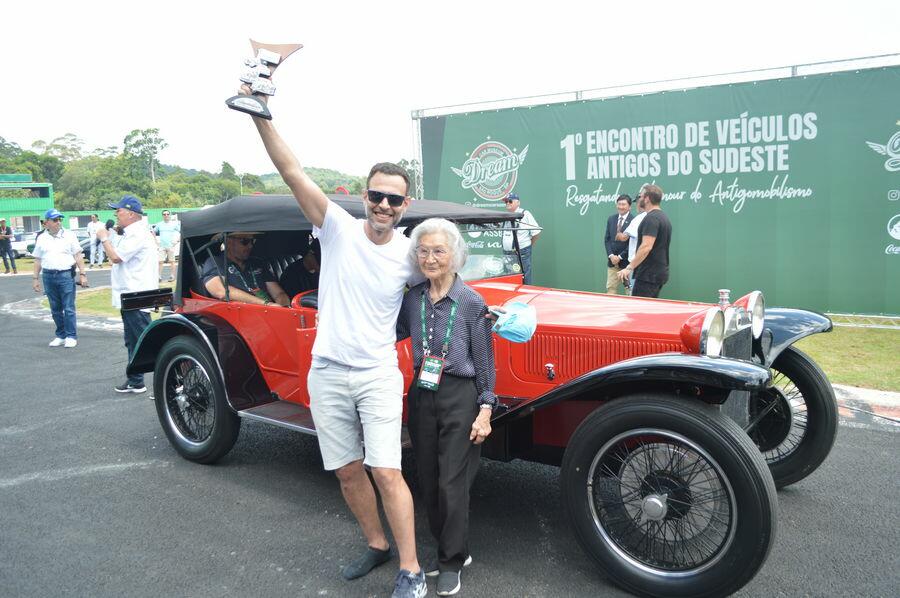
(446, 346)
(243, 280)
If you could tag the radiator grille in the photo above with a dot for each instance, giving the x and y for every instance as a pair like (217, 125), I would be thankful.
(574, 355)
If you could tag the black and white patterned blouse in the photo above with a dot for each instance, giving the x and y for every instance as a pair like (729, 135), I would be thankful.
(471, 351)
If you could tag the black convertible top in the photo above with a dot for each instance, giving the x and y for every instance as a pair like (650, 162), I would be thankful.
(266, 213)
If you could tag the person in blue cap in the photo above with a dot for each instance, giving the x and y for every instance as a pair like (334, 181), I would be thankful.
(133, 262)
(56, 255)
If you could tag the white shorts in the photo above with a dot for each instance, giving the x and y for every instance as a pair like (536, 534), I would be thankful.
(352, 407)
(167, 254)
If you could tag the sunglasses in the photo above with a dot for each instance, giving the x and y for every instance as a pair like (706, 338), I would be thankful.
(244, 240)
(508, 200)
(376, 197)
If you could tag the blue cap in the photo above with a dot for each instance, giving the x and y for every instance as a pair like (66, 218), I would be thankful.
(129, 202)
(512, 196)
(518, 323)
(52, 214)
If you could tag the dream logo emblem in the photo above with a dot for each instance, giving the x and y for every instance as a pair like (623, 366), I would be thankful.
(891, 149)
(491, 170)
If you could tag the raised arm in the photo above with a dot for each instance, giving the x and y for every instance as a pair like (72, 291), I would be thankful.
(310, 198)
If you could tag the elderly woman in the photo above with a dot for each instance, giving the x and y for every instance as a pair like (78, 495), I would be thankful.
(452, 395)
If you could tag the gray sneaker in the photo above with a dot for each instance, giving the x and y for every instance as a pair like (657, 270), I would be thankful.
(409, 585)
(448, 583)
(433, 569)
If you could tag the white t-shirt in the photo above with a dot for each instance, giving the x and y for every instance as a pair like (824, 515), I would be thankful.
(93, 227)
(527, 228)
(138, 270)
(360, 290)
(632, 232)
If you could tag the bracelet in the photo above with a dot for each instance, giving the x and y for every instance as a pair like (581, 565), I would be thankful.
(486, 406)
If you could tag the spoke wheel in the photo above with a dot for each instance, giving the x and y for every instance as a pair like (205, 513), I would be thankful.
(191, 403)
(189, 399)
(661, 501)
(669, 497)
(794, 423)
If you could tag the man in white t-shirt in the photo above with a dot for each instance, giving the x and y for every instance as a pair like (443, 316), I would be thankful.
(96, 246)
(630, 233)
(354, 382)
(133, 261)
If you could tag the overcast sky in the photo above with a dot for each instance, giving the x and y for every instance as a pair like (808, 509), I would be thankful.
(101, 69)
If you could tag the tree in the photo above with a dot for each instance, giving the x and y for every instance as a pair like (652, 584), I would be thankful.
(66, 148)
(9, 149)
(145, 145)
(228, 171)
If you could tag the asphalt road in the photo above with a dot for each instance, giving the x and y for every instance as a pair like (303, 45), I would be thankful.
(94, 502)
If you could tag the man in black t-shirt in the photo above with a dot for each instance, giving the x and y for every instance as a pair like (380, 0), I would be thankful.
(651, 262)
(6, 239)
(249, 279)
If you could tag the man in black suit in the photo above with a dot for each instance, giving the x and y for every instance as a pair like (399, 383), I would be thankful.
(617, 251)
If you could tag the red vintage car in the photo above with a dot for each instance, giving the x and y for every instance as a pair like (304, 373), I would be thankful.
(673, 422)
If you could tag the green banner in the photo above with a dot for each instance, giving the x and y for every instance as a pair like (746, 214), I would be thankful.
(788, 186)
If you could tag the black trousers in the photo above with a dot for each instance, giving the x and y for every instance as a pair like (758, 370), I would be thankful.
(642, 288)
(439, 425)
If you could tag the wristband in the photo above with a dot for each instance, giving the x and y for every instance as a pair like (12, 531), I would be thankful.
(486, 406)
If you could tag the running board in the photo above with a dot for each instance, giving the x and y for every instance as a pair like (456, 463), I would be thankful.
(295, 417)
(282, 413)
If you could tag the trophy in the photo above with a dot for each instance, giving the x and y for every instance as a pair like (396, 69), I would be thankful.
(257, 74)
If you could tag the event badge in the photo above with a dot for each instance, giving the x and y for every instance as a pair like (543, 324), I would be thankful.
(430, 373)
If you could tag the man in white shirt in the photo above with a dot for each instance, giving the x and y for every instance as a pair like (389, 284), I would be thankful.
(630, 234)
(527, 231)
(133, 261)
(355, 382)
(56, 252)
(96, 246)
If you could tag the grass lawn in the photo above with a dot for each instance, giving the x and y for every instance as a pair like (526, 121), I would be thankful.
(866, 357)
(98, 302)
(24, 264)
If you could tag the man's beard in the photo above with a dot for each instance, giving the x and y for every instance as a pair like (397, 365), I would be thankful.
(382, 226)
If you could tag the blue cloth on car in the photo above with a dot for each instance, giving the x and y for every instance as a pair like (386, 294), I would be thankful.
(518, 323)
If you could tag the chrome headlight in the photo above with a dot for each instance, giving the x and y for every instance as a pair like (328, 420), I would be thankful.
(755, 304)
(712, 334)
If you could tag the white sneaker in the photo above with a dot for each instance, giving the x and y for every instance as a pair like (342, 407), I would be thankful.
(57, 342)
(70, 342)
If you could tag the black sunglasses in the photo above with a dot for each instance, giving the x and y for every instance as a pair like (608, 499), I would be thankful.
(244, 240)
(508, 200)
(376, 197)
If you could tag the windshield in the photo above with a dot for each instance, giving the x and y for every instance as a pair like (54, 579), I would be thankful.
(486, 256)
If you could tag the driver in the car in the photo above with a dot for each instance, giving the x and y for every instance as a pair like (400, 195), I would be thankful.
(249, 279)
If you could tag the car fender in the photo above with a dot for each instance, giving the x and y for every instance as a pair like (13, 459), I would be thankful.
(710, 379)
(785, 326)
(236, 367)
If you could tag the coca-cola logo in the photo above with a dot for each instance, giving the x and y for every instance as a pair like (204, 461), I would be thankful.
(491, 170)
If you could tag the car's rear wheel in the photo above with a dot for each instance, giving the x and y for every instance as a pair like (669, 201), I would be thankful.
(670, 498)
(794, 422)
(190, 401)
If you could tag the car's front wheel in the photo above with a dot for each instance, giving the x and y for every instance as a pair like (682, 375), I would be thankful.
(669, 497)
(794, 422)
(190, 401)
